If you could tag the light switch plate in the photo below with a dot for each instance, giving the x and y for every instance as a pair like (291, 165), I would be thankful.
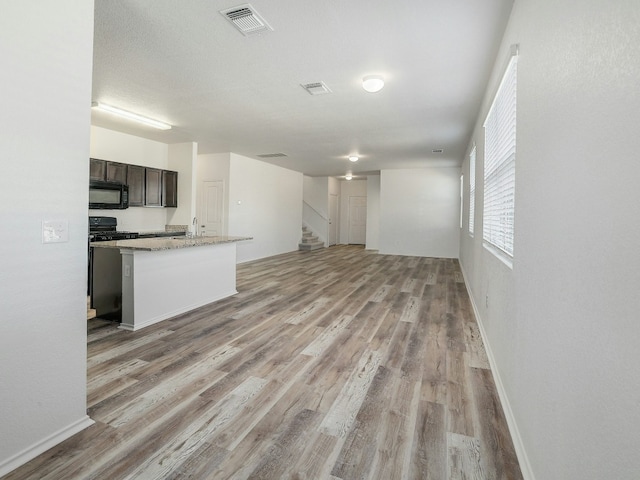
(55, 231)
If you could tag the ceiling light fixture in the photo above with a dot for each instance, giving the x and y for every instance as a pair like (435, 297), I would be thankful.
(373, 83)
(348, 176)
(131, 116)
(353, 158)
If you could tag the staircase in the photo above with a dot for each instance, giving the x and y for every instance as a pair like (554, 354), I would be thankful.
(309, 241)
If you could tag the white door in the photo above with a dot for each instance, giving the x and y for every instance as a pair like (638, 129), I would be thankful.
(211, 217)
(333, 219)
(357, 220)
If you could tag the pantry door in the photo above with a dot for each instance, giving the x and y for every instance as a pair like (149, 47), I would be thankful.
(211, 211)
(357, 220)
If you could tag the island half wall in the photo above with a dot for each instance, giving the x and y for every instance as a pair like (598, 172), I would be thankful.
(164, 277)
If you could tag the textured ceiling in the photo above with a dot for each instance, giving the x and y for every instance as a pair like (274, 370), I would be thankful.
(182, 62)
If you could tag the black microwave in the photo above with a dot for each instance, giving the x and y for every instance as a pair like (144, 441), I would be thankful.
(108, 196)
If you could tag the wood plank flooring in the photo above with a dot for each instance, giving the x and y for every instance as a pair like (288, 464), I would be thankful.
(333, 364)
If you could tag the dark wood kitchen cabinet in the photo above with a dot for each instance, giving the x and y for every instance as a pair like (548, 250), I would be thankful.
(116, 172)
(153, 187)
(97, 169)
(136, 183)
(148, 187)
(169, 188)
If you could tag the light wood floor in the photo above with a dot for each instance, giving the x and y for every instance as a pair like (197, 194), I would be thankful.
(333, 364)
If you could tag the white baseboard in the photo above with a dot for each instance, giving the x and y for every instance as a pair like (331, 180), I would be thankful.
(173, 313)
(43, 445)
(523, 459)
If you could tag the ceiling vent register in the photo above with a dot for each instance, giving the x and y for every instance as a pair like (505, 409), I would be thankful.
(272, 155)
(246, 19)
(316, 88)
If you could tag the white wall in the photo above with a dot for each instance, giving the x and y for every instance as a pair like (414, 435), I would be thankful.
(265, 202)
(420, 212)
(562, 325)
(315, 212)
(373, 212)
(348, 188)
(120, 147)
(46, 51)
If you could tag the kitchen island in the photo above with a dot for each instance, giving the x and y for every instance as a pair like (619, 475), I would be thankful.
(164, 277)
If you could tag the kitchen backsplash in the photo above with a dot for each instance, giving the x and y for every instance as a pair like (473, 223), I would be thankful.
(140, 219)
(176, 228)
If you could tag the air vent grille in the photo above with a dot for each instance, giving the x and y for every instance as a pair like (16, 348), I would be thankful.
(316, 88)
(246, 19)
(437, 150)
(272, 155)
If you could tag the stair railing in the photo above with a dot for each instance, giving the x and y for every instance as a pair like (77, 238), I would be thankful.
(315, 221)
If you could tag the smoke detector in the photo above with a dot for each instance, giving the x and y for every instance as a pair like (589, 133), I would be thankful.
(246, 19)
(316, 88)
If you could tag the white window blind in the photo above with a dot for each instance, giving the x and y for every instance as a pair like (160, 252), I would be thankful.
(461, 197)
(472, 189)
(500, 163)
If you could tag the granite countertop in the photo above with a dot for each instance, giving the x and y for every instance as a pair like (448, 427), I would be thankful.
(167, 243)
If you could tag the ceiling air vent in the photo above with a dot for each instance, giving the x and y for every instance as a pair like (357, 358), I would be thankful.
(437, 150)
(246, 19)
(316, 88)
(272, 155)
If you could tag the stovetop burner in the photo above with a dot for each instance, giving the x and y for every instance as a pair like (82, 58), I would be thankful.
(105, 228)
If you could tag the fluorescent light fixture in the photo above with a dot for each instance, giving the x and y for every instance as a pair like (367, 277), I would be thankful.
(373, 83)
(353, 158)
(348, 176)
(131, 116)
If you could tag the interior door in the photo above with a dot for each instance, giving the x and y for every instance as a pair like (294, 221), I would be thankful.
(357, 220)
(211, 211)
(333, 219)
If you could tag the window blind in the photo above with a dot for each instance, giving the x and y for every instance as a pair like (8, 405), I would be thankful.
(472, 189)
(499, 164)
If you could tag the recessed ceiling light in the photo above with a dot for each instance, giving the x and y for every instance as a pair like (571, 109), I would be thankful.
(131, 116)
(353, 158)
(373, 83)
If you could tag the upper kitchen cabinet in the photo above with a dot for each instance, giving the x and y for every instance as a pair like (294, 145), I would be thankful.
(103, 170)
(153, 187)
(136, 183)
(169, 188)
(97, 169)
(116, 172)
(148, 187)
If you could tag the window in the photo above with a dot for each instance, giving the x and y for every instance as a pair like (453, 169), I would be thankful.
(472, 189)
(499, 166)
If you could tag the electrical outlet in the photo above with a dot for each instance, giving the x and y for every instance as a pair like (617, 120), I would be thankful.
(127, 270)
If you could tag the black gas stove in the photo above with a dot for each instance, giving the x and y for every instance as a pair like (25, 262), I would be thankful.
(102, 229)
